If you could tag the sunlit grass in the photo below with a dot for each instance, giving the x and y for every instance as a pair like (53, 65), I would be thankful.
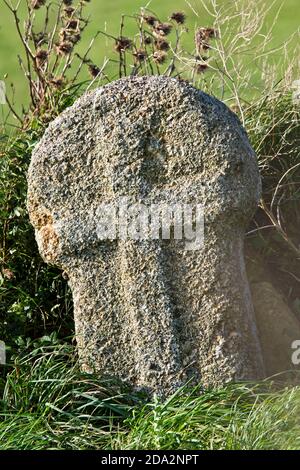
(47, 403)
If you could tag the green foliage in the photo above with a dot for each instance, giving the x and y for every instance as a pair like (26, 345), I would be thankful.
(48, 403)
(33, 296)
(273, 125)
(234, 417)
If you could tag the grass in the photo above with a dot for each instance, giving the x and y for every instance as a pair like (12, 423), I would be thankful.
(106, 16)
(48, 403)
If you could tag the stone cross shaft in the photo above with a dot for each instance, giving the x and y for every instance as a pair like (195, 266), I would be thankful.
(152, 311)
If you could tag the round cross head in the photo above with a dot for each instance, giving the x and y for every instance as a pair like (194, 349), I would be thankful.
(149, 139)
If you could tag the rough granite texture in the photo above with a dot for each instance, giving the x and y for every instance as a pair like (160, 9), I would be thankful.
(151, 312)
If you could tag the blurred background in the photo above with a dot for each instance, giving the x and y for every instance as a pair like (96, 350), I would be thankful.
(282, 17)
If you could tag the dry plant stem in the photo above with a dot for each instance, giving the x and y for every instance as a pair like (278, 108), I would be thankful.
(27, 74)
(258, 229)
(52, 37)
(171, 67)
(13, 111)
(270, 131)
(84, 58)
(121, 59)
(142, 36)
(67, 64)
(223, 57)
(46, 22)
(279, 229)
(239, 26)
(40, 91)
(99, 74)
(14, 11)
(28, 53)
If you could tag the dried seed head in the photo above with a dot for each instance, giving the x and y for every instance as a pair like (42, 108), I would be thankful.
(203, 33)
(201, 68)
(140, 55)
(93, 70)
(150, 20)
(64, 48)
(202, 37)
(73, 24)
(212, 33)
(40, 38)
(57, 82)
(69, 11)
(147, 40)
(69, 36)
(162, 44)
(178, 16)
(183, 80)
(122, 44)
(75, 38)
(159, 57)
(36, 4)
(41, 56)
(63, 35)
(163, 29)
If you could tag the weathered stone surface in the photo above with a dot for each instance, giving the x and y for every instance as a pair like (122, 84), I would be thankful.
(151, 311)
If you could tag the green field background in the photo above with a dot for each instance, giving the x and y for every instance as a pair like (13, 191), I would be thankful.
(105, 14)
